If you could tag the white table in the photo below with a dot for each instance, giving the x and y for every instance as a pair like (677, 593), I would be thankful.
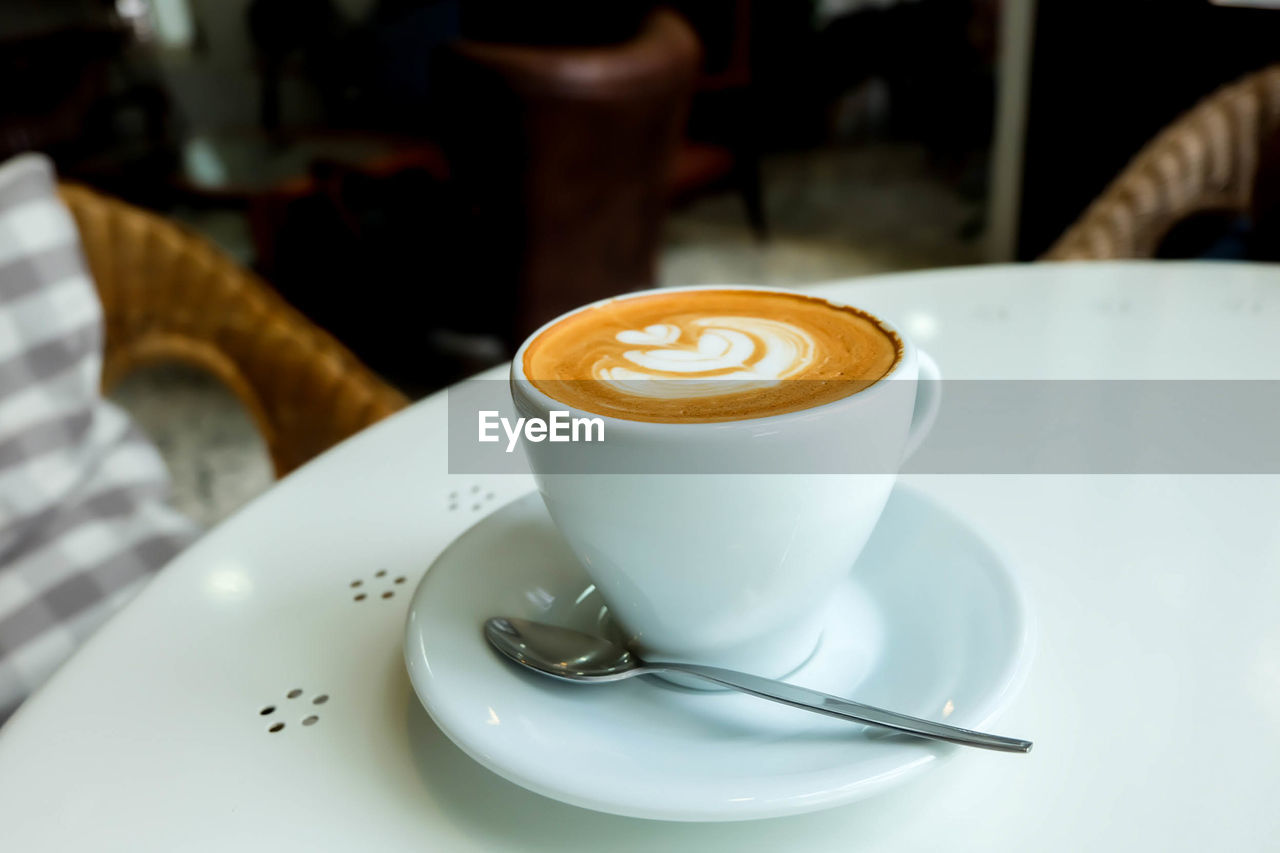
(1154, 700)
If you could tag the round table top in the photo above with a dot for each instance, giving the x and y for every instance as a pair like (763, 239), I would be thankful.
(1154, 698)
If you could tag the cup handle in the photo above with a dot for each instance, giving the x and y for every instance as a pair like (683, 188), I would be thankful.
(928, 397)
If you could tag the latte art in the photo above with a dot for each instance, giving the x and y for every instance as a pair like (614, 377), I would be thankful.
(752, 352)
(709, 355)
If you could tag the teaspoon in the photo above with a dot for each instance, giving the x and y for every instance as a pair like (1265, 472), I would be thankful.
(581, 658)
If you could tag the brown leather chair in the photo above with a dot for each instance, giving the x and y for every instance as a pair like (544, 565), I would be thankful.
(563, 153)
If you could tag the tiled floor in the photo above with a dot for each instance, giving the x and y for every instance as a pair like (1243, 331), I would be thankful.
(836, 213)
(215, 455)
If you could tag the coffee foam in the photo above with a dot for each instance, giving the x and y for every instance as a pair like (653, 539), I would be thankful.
(709, 355)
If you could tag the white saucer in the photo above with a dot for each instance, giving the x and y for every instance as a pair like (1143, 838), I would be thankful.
(931, 623)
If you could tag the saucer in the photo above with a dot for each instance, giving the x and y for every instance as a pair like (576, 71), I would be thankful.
(929, 622)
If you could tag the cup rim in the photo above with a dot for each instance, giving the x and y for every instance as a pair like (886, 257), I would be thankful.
(523, 385)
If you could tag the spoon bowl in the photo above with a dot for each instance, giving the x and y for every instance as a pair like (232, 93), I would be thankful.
(561, 652)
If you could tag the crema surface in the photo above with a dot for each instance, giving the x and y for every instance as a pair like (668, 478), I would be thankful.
(709, 355)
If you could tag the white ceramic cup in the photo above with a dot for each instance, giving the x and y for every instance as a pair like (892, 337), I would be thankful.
(730, 569)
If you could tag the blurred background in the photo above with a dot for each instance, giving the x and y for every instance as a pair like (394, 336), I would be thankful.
(430, 180)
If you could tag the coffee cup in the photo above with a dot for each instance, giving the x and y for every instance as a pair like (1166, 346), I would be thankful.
(716, 527)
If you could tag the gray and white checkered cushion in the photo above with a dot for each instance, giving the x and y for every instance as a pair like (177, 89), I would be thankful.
(83, 518)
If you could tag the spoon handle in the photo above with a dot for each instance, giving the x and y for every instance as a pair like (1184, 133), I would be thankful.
(834, 706)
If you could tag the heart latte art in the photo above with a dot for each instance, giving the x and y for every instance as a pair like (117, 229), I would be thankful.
(709, 355)
(749, 352)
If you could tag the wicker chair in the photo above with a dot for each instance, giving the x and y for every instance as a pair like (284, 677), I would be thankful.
(1207, 160)
(168, 295)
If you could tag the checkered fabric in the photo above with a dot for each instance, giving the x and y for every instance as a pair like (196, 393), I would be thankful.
(83, 522)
